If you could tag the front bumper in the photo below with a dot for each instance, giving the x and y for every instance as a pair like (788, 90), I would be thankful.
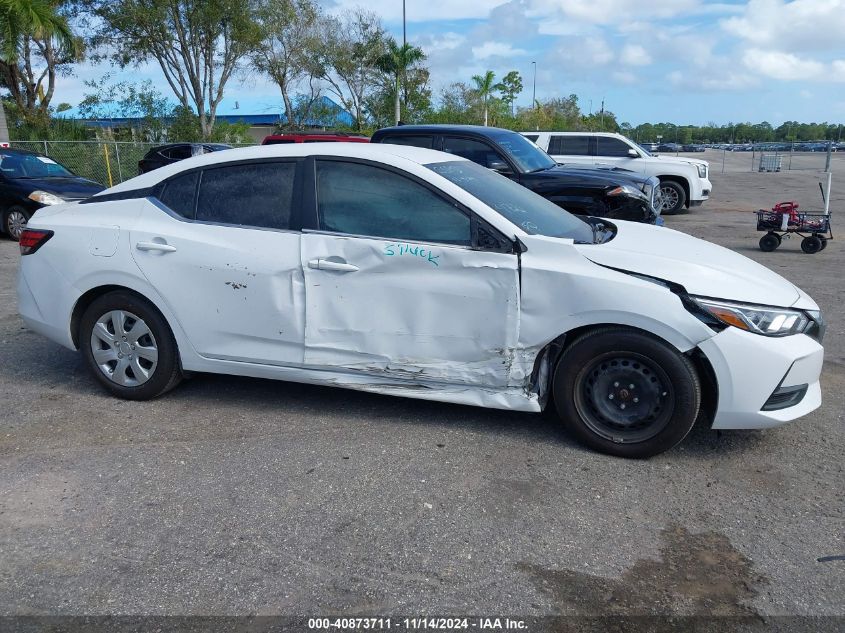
(749, 370)
(700, 190)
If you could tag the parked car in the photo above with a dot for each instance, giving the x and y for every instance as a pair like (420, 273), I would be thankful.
(650, 147)
(692, 148)
(29, 181)
(684, 181)
(610, 194)
(314, 137)
(410, 272)
(173, 153)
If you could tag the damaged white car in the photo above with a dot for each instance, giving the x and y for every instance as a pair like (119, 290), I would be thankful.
(410, 272)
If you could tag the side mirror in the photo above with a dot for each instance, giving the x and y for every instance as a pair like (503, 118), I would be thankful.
(500, 167)
(633, 153)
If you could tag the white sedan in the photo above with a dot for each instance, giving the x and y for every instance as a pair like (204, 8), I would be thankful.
(410, 272)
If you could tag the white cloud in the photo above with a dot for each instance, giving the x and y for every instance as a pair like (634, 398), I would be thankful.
(795, 25)
(496, 49)
(784, 66)
(624, 77)
(634, 55)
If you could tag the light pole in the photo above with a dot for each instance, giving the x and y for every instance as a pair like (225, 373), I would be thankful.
(534, 89)
(404, 33)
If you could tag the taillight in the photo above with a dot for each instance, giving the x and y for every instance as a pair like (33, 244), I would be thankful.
(33, 239)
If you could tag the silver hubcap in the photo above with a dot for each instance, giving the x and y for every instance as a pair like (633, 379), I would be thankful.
(16, 223)
(670, 198)
(124, 348)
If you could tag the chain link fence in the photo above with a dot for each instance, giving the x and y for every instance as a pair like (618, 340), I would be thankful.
(106, 162)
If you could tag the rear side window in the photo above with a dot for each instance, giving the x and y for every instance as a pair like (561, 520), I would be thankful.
(569, 145)
(364, 200)
(277, 141)
(320, 140)
(607, 146)
(178, 194)
(252, 194)
(411, 140)
(180, 152)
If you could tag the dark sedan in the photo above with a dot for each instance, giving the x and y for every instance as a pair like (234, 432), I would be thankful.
(614, 194)
(29, 181)
(173, 153)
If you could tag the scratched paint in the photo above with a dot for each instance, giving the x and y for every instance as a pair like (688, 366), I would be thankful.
(400, 249)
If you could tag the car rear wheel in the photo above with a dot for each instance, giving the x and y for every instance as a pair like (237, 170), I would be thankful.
(129, 346)
(14, 222)
(626, 393)
(674, 197)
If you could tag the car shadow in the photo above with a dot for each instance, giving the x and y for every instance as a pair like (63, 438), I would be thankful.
(48, 371)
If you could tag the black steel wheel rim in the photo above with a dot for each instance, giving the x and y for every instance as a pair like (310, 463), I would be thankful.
(624, 397)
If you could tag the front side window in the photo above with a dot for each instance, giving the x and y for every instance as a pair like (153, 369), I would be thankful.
(609, 146)
(473, 150)
(360, 199)
(567, 145)
(250, 194)
(521, 206)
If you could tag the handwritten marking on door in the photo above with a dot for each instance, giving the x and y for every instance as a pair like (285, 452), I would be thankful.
(411, 250)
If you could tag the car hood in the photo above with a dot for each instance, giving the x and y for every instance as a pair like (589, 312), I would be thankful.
(701, 267)
(607, 177)
(680, 159)
(69, 188)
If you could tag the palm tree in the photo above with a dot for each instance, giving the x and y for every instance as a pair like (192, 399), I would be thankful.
(484, 86)
(35, 17)
(396, 61)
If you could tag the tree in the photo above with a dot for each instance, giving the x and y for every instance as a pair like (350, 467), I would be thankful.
(289, 44)
(126, 100)
(395, 62)
(197, 43)
(510, 87)
(352, 44)
(484, 86)
(36, 45)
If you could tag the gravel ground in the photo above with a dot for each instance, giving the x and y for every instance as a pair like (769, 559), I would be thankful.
(242, 496)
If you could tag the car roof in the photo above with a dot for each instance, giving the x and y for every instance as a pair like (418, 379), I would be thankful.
(443, 128)
(15, 150)
(572, 133)
(378, 152)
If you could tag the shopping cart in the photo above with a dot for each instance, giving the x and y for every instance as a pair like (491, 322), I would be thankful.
(784, 220)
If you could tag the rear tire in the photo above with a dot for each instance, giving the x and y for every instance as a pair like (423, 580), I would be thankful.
(674, 197)
(129, 347)
(811, 244)
(769, 242)
(14, 222)
(626, 393)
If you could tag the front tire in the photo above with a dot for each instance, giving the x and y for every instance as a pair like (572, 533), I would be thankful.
(769, 242)
(674, 197)
(14, 222)
(626, 393)
(129, 347)
(811, 244)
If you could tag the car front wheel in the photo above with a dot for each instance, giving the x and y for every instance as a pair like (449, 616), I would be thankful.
(626, 393)
(14, 222)
(129, 346)
(674, 197)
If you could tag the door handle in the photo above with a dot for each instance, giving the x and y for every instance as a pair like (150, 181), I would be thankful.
(155, 246)
(328, 264)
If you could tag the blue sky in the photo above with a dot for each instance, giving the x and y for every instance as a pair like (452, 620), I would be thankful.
(684, 61)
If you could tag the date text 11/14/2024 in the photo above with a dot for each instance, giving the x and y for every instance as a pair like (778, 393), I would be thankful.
(418, 624)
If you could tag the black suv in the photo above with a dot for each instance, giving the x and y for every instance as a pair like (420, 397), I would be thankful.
(609, 193)
(173, 153)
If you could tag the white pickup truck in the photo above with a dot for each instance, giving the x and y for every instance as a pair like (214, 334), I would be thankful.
(683, 181)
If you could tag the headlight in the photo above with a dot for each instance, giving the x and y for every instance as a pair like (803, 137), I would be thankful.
(757, 319)
(44, 197)
(702, 171)
(626, 191)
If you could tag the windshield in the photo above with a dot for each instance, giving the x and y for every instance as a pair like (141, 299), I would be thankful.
(31, 166)
(524, 208)
(523, 152)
